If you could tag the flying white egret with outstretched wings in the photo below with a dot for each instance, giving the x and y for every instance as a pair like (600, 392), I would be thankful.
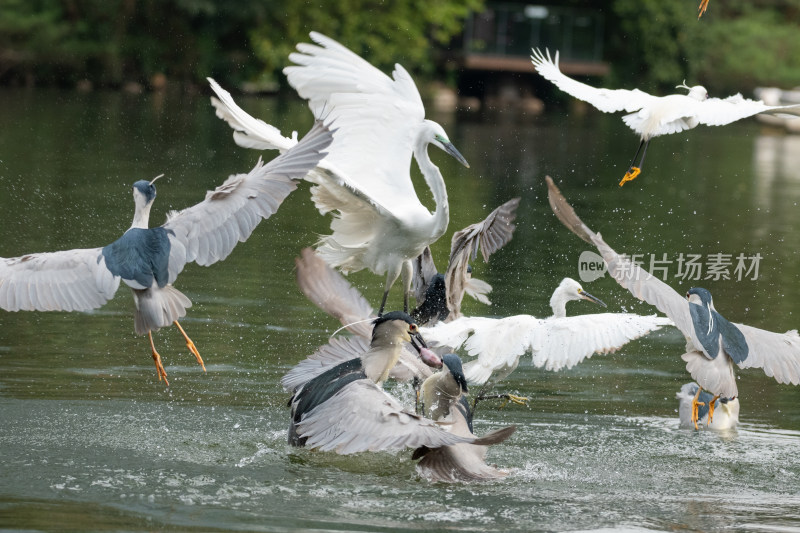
(150, 259)
(652, 116)
(379, 222)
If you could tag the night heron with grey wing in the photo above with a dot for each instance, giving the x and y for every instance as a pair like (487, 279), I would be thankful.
(713, 344)
(148, 259)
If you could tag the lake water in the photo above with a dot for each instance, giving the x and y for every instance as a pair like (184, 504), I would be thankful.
(91, 440)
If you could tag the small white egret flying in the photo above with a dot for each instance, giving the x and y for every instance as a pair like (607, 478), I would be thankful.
(380, 224)
(150, 259)
(725, 417)
(713, 344)
(651, 116)
(556, 342)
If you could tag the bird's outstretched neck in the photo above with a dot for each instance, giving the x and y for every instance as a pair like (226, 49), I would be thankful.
(141, 217)
(433, 177)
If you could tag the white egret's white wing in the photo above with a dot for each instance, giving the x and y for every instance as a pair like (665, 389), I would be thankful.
(337, 351)
(377, 119)
(362, 417)
(718, 112)
(488, 236)
(629, 275)
(208, 232)
(248, 131)
(606, 100)
(328, 290)
(778, 354)
(70, 280)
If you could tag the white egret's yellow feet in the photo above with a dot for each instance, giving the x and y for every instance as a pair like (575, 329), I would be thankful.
(702, 8)
(519, 400)
(162, 374)
(711, 405)
(191, 346)
(630, 175)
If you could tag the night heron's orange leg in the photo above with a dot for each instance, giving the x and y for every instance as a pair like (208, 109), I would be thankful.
(695, 405)
(711, 405)
(191, 346)
(162, 374)
(702, 8)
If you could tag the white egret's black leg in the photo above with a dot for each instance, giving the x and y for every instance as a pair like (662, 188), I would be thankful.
(633, 170)
(416, 383)
(383, 302)
(519, 400)
(407, 272)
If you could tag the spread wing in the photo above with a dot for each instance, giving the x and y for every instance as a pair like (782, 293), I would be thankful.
(718, 112)
(629, 275)
(337, 351)
(208, 232)
(424, 271)
(606, 100)
(70, 280)
(248, 132)
(362, 417)
(778, 354)
(377, 117)
(488, 236)
(328, 290)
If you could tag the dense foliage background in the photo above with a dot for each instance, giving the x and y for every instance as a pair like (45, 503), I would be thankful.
(737, 45)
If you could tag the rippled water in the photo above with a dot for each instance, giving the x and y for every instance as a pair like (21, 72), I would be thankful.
(91, 440)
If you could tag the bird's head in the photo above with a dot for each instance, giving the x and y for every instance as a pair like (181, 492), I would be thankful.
(435, 135)
(397, 326)
(144, 192)
(572, 290)
(698, 92)
(453, 364)
(700, 296)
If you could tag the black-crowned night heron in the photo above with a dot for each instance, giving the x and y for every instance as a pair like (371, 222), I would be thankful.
(444, 400)
(652, 116)
(149, 260)
(346, 410)
(713, 344)
(380, 223)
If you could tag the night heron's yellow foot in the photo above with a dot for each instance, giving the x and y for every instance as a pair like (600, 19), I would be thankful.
(711, 405)
(695, 407)
(630, 175)
(162, 374)
(191, 346)
(702, 8)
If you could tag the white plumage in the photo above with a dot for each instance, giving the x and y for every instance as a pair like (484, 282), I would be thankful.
(379, 222)
(651, 116)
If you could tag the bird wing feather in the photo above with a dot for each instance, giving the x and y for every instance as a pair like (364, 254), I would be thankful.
(207, 232)
(377, 118)
(488, 236)
(778, 354)
(69, 280)
(362, 417)
(424, 271)
(606, 100)
(719, 111)
(337, 351)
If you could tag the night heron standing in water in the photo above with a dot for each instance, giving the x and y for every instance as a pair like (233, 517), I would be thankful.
(554, 343)
(652, 116)
(148, 259)
(380, 223)
(345, 409)
(713, 344)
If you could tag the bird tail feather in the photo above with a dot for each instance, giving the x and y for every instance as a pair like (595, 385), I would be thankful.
(158, 307)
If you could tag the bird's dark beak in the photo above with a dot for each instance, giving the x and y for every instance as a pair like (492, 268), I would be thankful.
(452, 150)
(586, 296)
(427, 356)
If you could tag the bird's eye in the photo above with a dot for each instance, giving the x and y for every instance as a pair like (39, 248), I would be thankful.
(412, 328)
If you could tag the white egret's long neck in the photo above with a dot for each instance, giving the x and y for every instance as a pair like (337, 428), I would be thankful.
(141, 217)
(381, 357)
(441, 216)
(558, 302)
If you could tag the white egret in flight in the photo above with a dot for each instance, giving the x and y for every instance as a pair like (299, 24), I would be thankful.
(149, 260)
(651, 116)
(713, 344)
(379, 222)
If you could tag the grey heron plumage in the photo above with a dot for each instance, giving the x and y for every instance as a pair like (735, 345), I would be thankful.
(379, 222)
(148, 259)
(713, 344)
